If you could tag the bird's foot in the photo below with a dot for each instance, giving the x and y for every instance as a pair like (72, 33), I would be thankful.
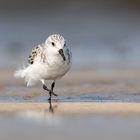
(50, 91)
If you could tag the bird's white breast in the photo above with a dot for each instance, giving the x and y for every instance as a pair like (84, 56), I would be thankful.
(55, 67)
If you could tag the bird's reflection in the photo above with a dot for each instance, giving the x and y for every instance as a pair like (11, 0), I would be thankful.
(44, 113)
(52, 107)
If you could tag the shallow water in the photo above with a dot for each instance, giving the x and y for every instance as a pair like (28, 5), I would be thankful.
(45, 124)
(81, 98)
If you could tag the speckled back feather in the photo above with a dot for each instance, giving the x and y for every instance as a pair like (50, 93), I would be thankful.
(37, 51)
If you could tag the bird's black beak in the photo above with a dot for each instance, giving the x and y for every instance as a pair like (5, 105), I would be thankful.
(61, 52)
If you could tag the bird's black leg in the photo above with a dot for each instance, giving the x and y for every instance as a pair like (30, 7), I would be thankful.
(50, 91)
(45, 87)
(52, 87)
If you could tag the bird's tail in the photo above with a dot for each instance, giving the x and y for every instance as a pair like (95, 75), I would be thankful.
(25, 73)
(20, 73)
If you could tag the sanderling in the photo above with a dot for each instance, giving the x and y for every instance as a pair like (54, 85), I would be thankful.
(48, 61)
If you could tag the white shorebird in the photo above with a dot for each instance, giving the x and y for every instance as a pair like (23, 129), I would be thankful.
(48, 61)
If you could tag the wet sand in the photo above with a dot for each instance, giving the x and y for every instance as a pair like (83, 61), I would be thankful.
(73, 108)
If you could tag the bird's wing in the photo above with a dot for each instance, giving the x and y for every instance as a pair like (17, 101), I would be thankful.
(36, 54)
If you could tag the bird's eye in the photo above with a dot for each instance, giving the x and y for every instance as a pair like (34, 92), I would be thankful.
(65, 45)
(53, 43)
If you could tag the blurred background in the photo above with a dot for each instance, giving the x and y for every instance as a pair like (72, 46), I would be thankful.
(104, 37)
(100, 33)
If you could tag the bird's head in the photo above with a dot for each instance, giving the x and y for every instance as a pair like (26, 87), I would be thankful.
(56, 44)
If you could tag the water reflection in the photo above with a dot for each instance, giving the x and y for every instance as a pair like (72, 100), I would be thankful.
(42, 115)
(58, 121)
(51, 107)
(55, 120)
